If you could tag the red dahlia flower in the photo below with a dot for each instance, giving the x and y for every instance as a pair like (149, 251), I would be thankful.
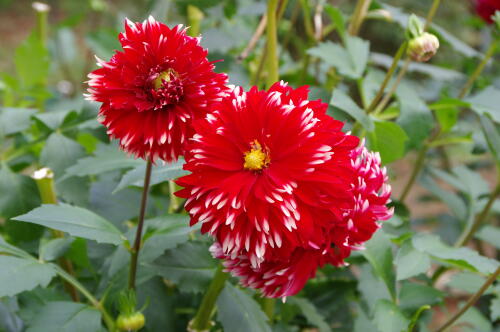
(153, 89)
(286, 276)
(268, 168)
(487, 8)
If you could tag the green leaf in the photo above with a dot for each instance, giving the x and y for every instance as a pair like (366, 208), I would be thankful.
(337, 18)
(238, 312)
(23, 193)
(66, 317)
(389, 140)
(349, 61)
(455, 203)
(410, 262)
(462, 257)
(379, 254)
(190, 266)
(107, 158)
(473, 320)
(55, 248)
(490, 234)
(371, 288)
(311, 313)
(22, 274)
(451, 138)
(412, 296)
(389, 318)
(491, 135)
(486, 101)
(74, 220)
(6, 248)
(54, 120)
(60, 152)
(14, 120)
(32, 61)
(447, 111)
(342, 101)
(468, 282)
(495, 309)
(159, 174)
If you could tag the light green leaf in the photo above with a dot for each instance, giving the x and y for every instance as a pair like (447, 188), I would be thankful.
(74, 220)
(410, 262)
(490, 234)
(66, 317)
(32, 61)
(349, 61)
(371, 288)
(238, 312)
(22, 274)
(473, 321)
(495, 309)
(14, 120)
(487, 101)
(412, 296)
(159, 174)
(342, 101)
(389, 318)
(55, 119)
(55, 248)
(379, 254)
(107, 158)
(6, 248)
(462, 257)
(455, 203)
(337, 18)
(311, 313)
(389, 140)
(468, 282)
(447, 110)
(190, 266)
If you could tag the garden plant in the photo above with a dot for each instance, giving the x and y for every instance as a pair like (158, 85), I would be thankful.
(249, 166)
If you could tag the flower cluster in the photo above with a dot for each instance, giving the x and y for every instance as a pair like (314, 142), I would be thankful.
(281, 188)
(275, 181)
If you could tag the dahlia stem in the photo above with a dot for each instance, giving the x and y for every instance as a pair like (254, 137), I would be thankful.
(431, 13)
(138, 235)
(44, 179)
(416, 170)
(472, 300)
(358, 16)
(174, 200)
(42, 11)
(308, 26)
(388, 76)
(381, 106)
(202, 321)
(489, 53)
(272, 41)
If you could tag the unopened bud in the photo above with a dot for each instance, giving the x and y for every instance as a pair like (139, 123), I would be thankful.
(133, 322)
(423, 47)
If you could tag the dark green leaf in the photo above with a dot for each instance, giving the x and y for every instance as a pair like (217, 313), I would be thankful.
(21, 274)
(60, 152)
(159, 174)
(337, 18)
(23, 193)
(342, 101)
(311, 313)
(14, 120)
(389, 318)
(75, 221)
(238, 312)
(190, 266)
(495, 309)
(55, 248)
(66, 317)
(379, 253)
(491, 135)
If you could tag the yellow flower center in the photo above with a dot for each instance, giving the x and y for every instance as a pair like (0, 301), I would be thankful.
(163, 76)
(256, 158)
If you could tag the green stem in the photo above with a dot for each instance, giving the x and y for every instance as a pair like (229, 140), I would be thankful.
(387, 78)
(272, 41)
(42, 11)
(472, 300)
(138, 235)
(489, 53)
(358, 16)
(201, 322)
(308, 26)
(416, 170)
(381, 106)
(174, 200)
(108, 320)
(431, 13)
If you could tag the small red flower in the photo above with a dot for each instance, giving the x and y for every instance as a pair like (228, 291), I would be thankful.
(487, 8)
(153, 89)
(268, 168)
(286, 276)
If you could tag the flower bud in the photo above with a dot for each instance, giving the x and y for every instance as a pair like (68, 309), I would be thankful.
(423, 47)
(132, 322)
